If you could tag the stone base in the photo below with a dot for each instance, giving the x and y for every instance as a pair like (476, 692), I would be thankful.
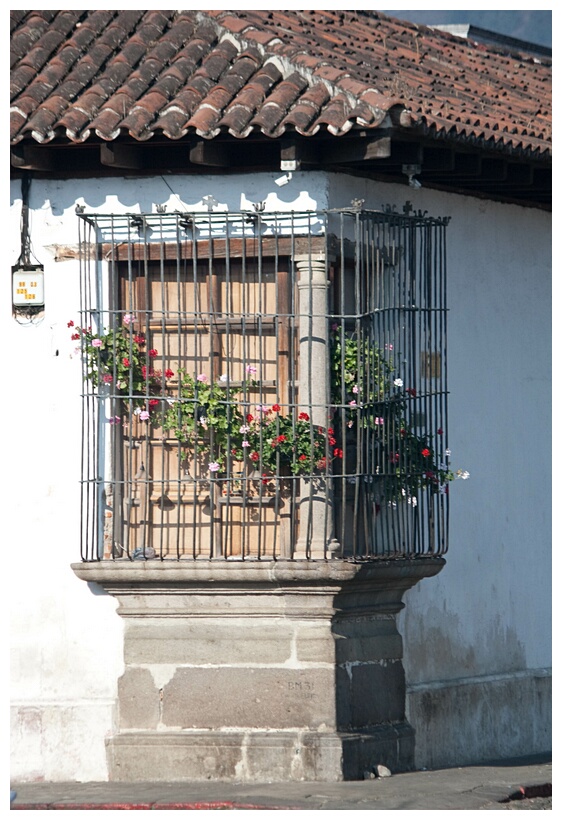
(286, 670)
(259, 756)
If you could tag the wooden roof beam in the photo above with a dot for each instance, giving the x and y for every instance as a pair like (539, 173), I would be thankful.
(209, 152)
(32, 157)
(119, 155)
(341, 150)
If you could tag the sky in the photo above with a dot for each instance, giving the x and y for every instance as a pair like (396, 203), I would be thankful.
(534, 26)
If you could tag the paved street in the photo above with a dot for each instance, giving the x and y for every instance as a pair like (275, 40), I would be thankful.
(469, 787)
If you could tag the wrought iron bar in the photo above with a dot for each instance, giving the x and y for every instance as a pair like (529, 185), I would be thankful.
(264, 385)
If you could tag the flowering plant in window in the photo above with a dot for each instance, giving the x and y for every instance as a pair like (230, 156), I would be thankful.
(373, 410)
(220, 422)
(120, 359)
(206, 418)
(277, 442)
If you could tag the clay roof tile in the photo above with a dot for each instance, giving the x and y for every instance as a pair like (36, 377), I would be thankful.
(105, 72)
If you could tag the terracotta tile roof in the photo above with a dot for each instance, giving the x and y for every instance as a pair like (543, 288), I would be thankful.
(78, 75)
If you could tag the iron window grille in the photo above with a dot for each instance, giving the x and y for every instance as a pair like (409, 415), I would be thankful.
(263, 385)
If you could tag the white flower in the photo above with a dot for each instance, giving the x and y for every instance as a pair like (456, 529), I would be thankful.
(463, 474)
(398, 383)
(244, 429)
(223, 378)
(447, 453)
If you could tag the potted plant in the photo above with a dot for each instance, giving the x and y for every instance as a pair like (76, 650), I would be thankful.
(119, 363)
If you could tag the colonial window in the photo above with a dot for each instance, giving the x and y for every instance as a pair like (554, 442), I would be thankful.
(263, 385)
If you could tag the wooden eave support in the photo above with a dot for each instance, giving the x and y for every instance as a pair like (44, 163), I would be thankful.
(209, 152)
(294, 152)
(453, 165)
(117, 155)
(32, 157)
(341, 150)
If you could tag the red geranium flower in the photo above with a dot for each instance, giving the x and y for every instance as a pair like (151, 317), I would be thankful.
(254, 456)
(169, 374)
(425, 452)
(152, 402)
(411, 391)
(276, 408)
(126, 362)
(70, 324)
(302, 458)
(338, 453)
(75, 336)
(304, 417)
(140, 340)
(249, 418)
(281, 439)
(440, 432)
(153, 353)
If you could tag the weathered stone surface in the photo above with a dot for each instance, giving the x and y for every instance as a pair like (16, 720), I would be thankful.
(249, 697)
(369, 694)
(253, 756)
(139, 700)
(207, 641)
(281, 670)
(364, 639)
(169, 756)
(314, 641)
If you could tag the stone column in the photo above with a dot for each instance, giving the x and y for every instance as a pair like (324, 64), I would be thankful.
(259, 671)
(316, 530)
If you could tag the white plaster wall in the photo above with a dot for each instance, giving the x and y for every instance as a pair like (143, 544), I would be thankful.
(488, 613)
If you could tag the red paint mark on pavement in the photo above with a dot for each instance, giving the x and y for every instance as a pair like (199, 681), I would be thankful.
(144, 806)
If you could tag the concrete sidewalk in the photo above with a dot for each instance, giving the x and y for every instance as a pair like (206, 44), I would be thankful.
(469, 787)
